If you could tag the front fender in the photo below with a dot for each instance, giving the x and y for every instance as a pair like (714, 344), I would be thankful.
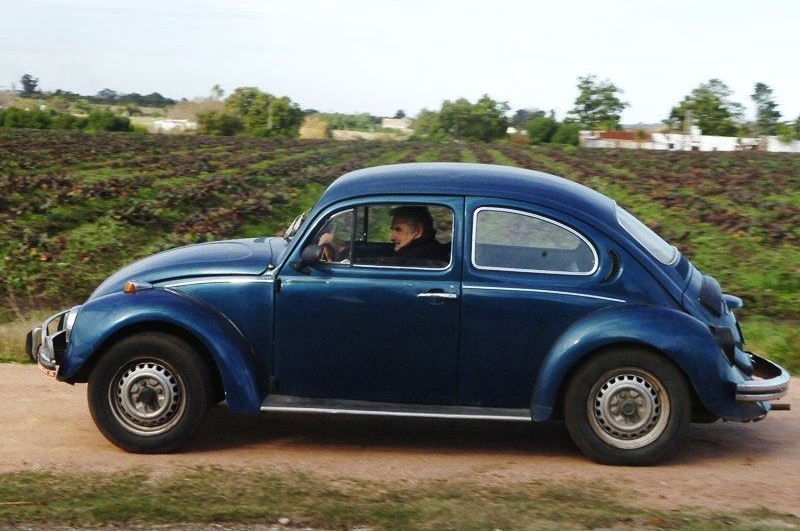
(101, 319)
(681, 337)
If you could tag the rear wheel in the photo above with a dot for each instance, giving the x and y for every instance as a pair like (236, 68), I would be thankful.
(627, 406)
(149, 393)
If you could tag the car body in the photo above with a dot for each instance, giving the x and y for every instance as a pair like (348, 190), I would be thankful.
(555, 304)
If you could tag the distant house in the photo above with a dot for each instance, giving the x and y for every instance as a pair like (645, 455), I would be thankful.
(401, 124)
(171, 125)
(694, 141)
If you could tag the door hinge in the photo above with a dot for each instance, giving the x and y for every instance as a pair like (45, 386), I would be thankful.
(276, 285)
(273, 384)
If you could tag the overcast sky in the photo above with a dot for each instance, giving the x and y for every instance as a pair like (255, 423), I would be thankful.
(379, 56)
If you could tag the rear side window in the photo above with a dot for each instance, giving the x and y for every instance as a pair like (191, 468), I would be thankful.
(663, 251)
(511, 240)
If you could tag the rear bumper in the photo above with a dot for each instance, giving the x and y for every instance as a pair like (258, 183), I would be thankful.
(770, 382)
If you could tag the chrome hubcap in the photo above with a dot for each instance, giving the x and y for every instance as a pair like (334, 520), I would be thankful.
(147, 397)
(628, 408)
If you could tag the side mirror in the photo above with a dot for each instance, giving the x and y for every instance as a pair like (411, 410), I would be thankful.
(311, 254)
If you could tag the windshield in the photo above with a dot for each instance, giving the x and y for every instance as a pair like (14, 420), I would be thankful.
(291, 230)
(663, 251)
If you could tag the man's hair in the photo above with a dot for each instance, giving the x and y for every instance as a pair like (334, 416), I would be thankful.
(416, 216)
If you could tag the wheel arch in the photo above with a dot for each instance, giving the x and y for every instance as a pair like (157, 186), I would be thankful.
(104, 322)
(155, 326)
(676, 336)
(699, 409)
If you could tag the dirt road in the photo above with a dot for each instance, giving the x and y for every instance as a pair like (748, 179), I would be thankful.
(46, 425)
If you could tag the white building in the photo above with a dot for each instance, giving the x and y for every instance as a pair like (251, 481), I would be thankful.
(171, 125)
(694, 141)
(401, 124)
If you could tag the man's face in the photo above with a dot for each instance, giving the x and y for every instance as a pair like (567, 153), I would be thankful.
(402, 234)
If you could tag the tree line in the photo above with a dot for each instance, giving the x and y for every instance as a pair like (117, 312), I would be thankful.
(598, 106)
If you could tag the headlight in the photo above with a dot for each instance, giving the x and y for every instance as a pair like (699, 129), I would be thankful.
(69, 320)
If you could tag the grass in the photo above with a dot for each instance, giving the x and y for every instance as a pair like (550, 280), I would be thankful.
(12, 337)
(777, 340)
(214, 495)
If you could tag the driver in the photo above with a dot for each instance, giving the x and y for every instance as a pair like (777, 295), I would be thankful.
(414, 238)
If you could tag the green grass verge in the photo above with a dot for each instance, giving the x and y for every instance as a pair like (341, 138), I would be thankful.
(777, 340)
(207, 495)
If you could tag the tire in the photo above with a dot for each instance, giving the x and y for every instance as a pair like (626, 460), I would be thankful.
(149, 393)
(627, 406)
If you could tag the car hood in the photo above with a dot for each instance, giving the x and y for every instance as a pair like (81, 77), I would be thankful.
(231, 257)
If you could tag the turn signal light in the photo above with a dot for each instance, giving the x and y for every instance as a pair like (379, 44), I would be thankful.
(132, 286)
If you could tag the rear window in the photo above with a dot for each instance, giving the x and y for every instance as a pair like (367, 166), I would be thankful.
(655, 244)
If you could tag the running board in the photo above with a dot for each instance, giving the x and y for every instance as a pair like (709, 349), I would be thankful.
(294, 404)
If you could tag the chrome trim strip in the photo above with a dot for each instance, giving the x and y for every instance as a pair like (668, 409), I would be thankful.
(345, 411)
(547, 291)
(219, 281)
(437, 295)
(415, 268)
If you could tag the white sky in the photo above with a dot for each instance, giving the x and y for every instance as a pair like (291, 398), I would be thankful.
(383, 55)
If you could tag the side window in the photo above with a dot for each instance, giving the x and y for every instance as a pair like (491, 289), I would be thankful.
(388, 235)
(510, 240)
(335, 237)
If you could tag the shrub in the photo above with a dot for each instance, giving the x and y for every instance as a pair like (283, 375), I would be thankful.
(541, 130)
(567, 133)
(219, 123)
(102, 120)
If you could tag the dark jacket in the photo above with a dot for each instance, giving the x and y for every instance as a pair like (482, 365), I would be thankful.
(425, 251)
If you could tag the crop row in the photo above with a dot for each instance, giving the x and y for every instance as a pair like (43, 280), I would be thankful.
(75, 206)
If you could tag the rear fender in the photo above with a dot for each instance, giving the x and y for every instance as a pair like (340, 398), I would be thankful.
(679, 336)
(100, 321)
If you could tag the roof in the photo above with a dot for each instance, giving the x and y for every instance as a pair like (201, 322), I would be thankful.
(638, 135)
(462, 179)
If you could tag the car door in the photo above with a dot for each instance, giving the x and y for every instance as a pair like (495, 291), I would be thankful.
(529, 274)
(363, 328)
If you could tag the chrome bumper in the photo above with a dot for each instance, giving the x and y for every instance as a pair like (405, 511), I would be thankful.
(770, 382)
(46, 344)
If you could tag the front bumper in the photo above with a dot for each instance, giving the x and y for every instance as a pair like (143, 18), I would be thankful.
(47, 344)
(770, 382)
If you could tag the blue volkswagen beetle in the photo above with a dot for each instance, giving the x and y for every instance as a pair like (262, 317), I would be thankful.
(430, 290)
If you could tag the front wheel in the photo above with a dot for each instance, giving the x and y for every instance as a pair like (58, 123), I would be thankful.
(627, 406)
(149, 393)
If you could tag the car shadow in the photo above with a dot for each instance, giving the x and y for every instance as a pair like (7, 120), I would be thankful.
(224, 429)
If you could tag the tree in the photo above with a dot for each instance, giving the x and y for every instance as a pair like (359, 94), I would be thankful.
(523, 116)
(107, 95)
(710, 107)
(428, 124)
(541, 129)
(400, 114)
(766, 116)
(29, 85)
(265, 115)
(484, 121)
(217, 93)
(597, 105)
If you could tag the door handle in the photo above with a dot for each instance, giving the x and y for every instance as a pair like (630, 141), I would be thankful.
(437, 295)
